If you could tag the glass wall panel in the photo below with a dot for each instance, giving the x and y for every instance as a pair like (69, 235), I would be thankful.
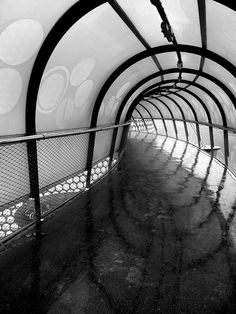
(219, 141)
(221, 74)
(160, 106)
(181, 130)
(24, 26)
(201, 114)
(183, 17)
(146, 19)
(222, 97)
(102, 145)
(170, 128)
(192, 133)
(205, 135)
(73, 77)
(184, 106)
(172, 106)
(121, 87)
(232, 151)
(221, 25)
(213, 109)
(160, 127)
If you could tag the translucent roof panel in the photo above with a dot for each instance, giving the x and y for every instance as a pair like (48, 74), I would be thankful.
(137, 92)
(171, 76)
(213, 109)
(201, 114)
(146, 19)
(221, 28)
(24, 25)
(73, 77)
(184, 106)
(142, 111)
(154, 111)
(221, 74)
(172, 106)
(122, 86)
(224, 100)
(184, 18)
(188, 76)
(169, 60)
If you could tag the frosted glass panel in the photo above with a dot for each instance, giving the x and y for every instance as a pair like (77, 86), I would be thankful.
(102, 145)
(172, 106)
(24, 25)
(146, 19)
(183, 16)
(221, 74)
(154, 112)
(184, 106)
(121, 87)
(169, 60)
(201, 114)
(213, 109)
(224, 100)
(171, 76)
(221, 25)
(73, 77)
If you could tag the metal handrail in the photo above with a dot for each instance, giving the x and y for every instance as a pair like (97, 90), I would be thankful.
(217, 126)
(43, 136)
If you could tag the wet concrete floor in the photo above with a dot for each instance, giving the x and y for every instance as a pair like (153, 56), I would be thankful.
(157, 235)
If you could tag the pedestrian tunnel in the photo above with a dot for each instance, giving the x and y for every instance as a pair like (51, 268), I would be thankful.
(78, 79)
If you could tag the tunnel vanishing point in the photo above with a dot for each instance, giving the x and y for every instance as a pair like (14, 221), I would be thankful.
(117, 156)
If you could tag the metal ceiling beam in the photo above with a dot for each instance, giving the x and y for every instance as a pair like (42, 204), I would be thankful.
(203, 28)
(142, 55)
(142, 118)
(156, 75)
(171, 113)
(149, 116)
(204, 108)
(162, 117)
(155, 87)
(66, 21)
(195, 116)
(182, 114)
(161, 11)
(117, 8)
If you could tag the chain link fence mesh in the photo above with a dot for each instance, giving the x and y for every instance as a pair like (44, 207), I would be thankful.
(57, 166)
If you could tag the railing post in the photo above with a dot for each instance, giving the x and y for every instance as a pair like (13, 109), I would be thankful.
(113, 142)
(123, 138)
(34, 180)
(175, 128)
(211, 138)
(226, 146)
(198, 134)
(89, 164)
(186, 130)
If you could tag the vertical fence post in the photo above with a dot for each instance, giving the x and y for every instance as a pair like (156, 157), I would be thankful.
(211, 138)
(112, 149)
(34, 180)
(186, 130)
(175, 128)
(226, 146)
(123, 138)
(198, 134)
(89, 164)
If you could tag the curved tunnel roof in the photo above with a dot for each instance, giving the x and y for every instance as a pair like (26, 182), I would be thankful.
(76, 64)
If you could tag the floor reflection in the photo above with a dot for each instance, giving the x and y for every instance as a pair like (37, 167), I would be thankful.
(157, 235)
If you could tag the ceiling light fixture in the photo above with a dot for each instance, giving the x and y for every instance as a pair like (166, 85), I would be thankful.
(167, 31)
(180, 64)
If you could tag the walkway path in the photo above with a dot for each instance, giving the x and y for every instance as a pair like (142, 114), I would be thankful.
(158, 235)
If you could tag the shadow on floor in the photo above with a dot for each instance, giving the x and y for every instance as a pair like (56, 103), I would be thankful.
(157, 235)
